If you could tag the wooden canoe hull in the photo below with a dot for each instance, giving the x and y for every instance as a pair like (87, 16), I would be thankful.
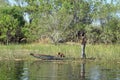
(46, 57)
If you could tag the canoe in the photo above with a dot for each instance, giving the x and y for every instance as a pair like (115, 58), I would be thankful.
(46, 57)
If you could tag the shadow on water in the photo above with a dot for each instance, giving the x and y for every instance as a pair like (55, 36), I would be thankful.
(58, 70)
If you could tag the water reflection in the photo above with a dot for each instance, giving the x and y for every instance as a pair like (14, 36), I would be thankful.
(95, 73)
(58, 70)
(11, 70)
(51, 71)
(82, 75)
(25, 74)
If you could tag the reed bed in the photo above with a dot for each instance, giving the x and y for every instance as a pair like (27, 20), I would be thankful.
(99, 52)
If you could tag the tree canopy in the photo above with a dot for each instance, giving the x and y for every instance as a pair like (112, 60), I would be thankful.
(59, 20)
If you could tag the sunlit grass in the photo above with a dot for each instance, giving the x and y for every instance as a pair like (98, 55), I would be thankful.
(104, 52)
(100, 52)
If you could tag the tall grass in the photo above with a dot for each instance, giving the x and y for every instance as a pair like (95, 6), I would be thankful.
(103, 52)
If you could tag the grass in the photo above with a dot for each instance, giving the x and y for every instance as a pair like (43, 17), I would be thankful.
(104, 52)
(100, 52)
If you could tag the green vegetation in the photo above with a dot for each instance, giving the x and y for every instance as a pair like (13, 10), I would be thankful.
(100, 52)
(59, 20)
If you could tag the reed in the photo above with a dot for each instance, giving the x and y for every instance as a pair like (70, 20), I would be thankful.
(104, 52)
(100, 52)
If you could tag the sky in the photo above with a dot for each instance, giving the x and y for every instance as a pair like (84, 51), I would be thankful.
(109, 1)
(13, 2)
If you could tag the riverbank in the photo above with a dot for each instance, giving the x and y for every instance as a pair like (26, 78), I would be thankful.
(97, 52)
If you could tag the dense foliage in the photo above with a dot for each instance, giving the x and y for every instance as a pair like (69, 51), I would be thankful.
(60, 21)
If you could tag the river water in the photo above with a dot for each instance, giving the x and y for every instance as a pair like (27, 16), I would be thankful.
(58, 70)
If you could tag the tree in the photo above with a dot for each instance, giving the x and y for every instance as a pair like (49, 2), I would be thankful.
(3, 3)
(11, 22)
(104, 13)
(7, 28)
(112, 30)
(61, 20)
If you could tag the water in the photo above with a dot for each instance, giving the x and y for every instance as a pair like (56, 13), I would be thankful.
(58, 70)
